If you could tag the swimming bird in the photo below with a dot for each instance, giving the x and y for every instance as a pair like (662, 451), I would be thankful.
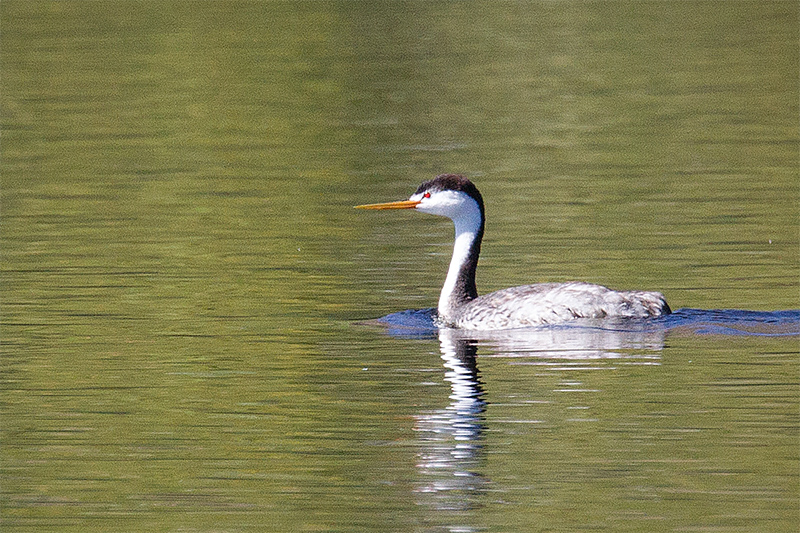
(456, 197)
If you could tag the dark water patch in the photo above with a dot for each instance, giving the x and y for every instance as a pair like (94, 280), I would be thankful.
(409, 323)
(420, 323)
(734, 322)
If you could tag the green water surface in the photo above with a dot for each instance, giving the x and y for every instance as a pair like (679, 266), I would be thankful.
(183, 276)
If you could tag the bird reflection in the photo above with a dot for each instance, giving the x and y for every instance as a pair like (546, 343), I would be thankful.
(587, 340)
(452, 454)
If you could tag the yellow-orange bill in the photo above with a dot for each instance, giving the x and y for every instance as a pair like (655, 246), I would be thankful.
(403, 204)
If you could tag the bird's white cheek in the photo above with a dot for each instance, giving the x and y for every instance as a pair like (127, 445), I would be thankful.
(432, 209)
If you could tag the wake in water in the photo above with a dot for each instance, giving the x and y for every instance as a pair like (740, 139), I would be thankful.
(420, 322)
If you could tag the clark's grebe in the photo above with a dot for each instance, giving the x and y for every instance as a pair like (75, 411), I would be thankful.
(456, 198)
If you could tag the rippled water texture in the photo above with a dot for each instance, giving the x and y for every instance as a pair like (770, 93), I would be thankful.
(188, 299)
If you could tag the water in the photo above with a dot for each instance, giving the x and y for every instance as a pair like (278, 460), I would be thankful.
(187, 294)
(422, 322)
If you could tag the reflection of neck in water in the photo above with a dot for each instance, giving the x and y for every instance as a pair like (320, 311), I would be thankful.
(451, 449)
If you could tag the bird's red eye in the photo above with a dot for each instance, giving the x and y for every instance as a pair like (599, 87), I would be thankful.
(426, 195)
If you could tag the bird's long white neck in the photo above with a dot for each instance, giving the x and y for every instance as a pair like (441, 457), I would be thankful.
(459, 286)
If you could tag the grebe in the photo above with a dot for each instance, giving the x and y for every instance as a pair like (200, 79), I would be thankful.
(455, 197)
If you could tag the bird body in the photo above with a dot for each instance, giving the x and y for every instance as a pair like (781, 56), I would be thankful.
(457, 198)
(552, 303)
